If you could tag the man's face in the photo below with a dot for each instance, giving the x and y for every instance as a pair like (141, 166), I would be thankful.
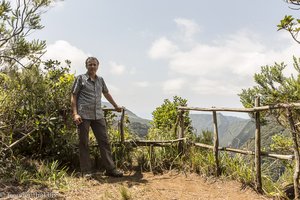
(92, 66)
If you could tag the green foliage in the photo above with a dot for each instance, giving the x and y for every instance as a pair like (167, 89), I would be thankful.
(291, 25)
(44, 173)
(164, 127)
(202, 161)
(165, 118)
(206, 137)
(274, 87)
(49, 173)
(26, 171)
(35, 100)
(281, 144)
(31, 99)
(276, 175)
(16, 23)
(125, 194)
(113, 126)
(121, 154)
(158, 159)
(238, 167)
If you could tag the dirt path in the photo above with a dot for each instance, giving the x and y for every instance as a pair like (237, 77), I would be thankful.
(169, 186)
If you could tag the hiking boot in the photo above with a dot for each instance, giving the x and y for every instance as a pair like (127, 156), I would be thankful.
(113, 173)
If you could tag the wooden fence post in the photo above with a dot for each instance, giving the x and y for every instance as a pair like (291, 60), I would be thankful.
(151, 152)
(122, 126)
(258, 148)
(216, 143)
(296, 153)
(181, 133)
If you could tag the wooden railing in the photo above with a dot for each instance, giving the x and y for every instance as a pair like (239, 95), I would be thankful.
(257, 153)
(216, 148)
(137, 143)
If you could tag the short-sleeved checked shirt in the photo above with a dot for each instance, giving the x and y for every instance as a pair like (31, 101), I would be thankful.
(89, 95)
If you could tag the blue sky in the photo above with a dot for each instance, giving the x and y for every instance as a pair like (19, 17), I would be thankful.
(204, 51)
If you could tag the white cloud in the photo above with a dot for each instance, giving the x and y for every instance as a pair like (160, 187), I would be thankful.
(132, 71)
(58, 4)
(226, 55)
(62, 50)
(243, 40)
(173, 86)
(162, 48)
(224, 66)
(213, 87)
(114, 90)
(141, 84)
(116, 69)
(188, 27)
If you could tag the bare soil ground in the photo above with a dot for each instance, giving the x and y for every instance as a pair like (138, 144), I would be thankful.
(142, 186)
(170, 185)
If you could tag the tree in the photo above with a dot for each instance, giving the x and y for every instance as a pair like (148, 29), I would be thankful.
(32, 99)
(16, 23)
(274, 87)
(290, 24)
(294, 2)
(165, 117)
(35, 100)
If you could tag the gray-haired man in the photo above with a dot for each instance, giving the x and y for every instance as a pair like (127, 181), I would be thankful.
(86, 96)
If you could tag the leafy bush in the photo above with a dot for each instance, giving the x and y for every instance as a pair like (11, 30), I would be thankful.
(165, 117)
(37, 101)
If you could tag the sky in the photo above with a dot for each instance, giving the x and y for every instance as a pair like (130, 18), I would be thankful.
(203, 51)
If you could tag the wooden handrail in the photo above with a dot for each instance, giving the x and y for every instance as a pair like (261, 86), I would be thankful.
(247, 152)
(248, 110)
(258, 153)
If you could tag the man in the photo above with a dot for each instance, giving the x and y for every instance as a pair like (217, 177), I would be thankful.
(86, 96)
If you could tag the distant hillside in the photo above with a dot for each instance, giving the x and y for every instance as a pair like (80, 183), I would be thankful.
(228, 126)
(238, 132)
(246, 134)
(246, 138)
(137, 125)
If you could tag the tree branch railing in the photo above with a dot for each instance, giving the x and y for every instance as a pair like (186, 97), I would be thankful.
(246, 152)
(257, 153)
(146, 143)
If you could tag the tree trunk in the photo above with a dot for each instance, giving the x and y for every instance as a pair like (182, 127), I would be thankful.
(216, 143)
(296, 152)
(122, 125)
(181, 133)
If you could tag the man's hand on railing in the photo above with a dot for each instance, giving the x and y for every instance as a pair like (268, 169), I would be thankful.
(119, 109)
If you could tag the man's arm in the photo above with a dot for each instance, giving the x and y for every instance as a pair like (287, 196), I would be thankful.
(76, 117)
(111, 100)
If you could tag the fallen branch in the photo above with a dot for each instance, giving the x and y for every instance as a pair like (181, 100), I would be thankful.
(20, 140)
